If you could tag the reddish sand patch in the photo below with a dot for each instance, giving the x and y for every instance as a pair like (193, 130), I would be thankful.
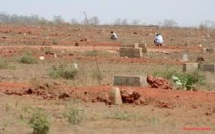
(148, 96)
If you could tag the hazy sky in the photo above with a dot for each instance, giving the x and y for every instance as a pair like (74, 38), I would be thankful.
(185, 12)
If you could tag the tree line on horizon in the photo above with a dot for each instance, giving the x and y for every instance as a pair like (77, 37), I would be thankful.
(58, 20)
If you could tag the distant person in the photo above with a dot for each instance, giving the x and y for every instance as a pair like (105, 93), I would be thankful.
(113, 36)
(158, 40)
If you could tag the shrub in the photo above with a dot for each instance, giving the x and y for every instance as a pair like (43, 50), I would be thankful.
(63, 71)
(27, 59)
(75, 115)
(188, 81)
(39, 123)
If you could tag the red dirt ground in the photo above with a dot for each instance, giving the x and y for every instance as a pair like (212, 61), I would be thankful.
(159, 98)
(36, 41)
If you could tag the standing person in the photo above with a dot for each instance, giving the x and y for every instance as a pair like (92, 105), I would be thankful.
(113, 36)
(158, 41)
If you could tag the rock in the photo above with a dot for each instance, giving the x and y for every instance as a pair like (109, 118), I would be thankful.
(185, 57)
(200, 59)
(29, 91)
(164, 104)
(76, 44)
(115, 96)
(158, 82)
(129, 96)
(63, 95)
(104, 97)
(42, 58)
(49, 52)
(141, 101)
(84, 40)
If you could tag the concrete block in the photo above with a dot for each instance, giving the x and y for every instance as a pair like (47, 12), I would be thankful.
(115, 96)
(185, 57)
(144, 47)
(145, 50)
(137, 52)
(124, 51)
(190, 66)
(207, 67)
(129, 81)
(131, 52)
(135, 45)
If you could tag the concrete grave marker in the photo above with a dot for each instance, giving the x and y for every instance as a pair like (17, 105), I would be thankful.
(115, 96)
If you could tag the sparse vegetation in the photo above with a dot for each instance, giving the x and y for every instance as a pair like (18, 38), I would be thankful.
(39, 122)
(58, 80)
(27, 58)
(5, 65)
(186, 81)
(122, 115)
(63, 71)
(75, 115)
(97, 53)
(4, 127)
(165, 74)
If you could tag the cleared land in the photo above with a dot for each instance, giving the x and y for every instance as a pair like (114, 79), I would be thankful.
(28, 83)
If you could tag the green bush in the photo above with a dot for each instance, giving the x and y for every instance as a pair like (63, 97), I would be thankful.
(63, 71)
(39, 123)
(27, 59)
(188, 81)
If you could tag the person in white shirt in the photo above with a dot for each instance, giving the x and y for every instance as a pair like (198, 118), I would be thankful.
(158, 40)
(113, 36)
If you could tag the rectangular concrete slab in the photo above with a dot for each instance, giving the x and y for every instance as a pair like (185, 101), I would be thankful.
(131, 52)
(190, 67)
(207, 67)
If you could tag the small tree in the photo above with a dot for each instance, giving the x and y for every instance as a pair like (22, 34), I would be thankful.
(124, 22)
(58, 20)
(94, 21)
(74, 22)
(170, 23)
(121, 22)
(136, 22)
(117, 21)
(209, 24)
